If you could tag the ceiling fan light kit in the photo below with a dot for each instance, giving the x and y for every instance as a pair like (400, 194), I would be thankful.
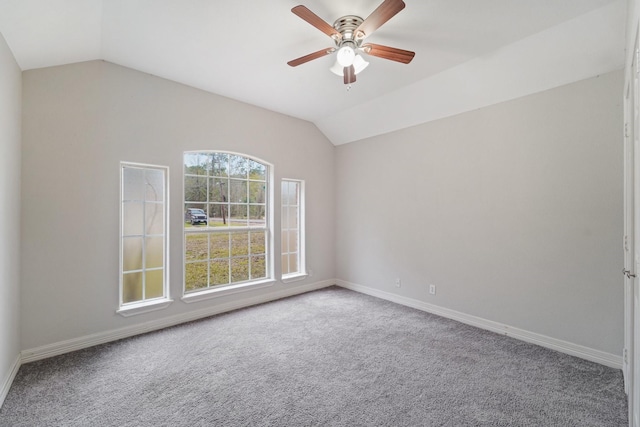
(348, 34)
(346, 54)
(359, 64)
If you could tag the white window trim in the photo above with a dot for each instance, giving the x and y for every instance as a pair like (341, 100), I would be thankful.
(302, 273)
(135, 308)
(295, 277)
(144, 307)
(223, 290)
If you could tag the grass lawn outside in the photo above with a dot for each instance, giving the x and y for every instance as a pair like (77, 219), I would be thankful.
(221, 258)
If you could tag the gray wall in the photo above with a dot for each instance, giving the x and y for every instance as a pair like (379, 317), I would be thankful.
(80, 121)
(633, 16)
(10, 110)
(513, 211)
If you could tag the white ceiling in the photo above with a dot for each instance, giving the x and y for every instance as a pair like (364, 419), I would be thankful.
(469, 53)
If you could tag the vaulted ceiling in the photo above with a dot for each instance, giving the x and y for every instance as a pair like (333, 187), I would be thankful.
(469, 53)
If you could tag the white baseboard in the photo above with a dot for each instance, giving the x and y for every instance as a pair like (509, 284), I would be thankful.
(5, 385)
(74, 344)
(572, 349)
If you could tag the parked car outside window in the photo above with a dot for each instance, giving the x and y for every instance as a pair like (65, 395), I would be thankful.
(195, 216)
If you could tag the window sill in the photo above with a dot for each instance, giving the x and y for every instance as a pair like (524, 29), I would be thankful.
(290, 278)
(226, 290)
(144, 307)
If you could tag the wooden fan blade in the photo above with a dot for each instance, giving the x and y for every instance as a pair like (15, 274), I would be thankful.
(349, 74)
(316, 21)
(311, 56)
(387, 10)
(386, 52)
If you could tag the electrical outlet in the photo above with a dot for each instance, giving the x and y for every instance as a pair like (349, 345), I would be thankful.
(398, 283)
(432, 289)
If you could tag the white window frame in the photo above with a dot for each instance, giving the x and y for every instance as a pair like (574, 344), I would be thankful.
(301, 273)
(145, 305)
(222, 290)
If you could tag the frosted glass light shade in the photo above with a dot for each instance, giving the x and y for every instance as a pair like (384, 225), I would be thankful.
(359, 64)
(346, 56)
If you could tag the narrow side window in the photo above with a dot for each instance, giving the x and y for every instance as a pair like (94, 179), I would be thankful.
(143, 238)
(292, 229)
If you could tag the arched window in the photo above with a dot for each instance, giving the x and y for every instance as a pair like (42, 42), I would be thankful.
(226, 221)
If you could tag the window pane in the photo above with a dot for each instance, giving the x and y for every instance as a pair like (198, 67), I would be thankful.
(195, 189)
(257, 215)
(257, 171)
(196, 247)
(238, 191)
(238, 217)
(154, 218)
(239, 269)
(154, 185)
(284, 188)
(258, 243)
(131, 287)
(154, 283)
(219, 215)
(285, 218)
(195, 219)
(237, 166)
(293, 263)
(284, 241)
(153, 252)
(293, 218)
(293, 241)
(257, 192)
(292, 194)
(239, 244)
(258, 267)
(218, 189)
(132, 184)
(195, 163)
(285, 264)
(219, 245)
(131, 253)
(220, 272)
(202, 206)
(220, 164)
(195, 276)
(132, 219)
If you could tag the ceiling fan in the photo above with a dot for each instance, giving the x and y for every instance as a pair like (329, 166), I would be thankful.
(348, 34)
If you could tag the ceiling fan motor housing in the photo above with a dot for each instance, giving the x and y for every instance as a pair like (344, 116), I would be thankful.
(347, 26)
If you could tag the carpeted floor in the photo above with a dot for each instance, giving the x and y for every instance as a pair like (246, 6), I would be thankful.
(331, 357)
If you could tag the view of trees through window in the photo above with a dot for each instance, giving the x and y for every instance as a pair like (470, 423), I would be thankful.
(225, 223)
